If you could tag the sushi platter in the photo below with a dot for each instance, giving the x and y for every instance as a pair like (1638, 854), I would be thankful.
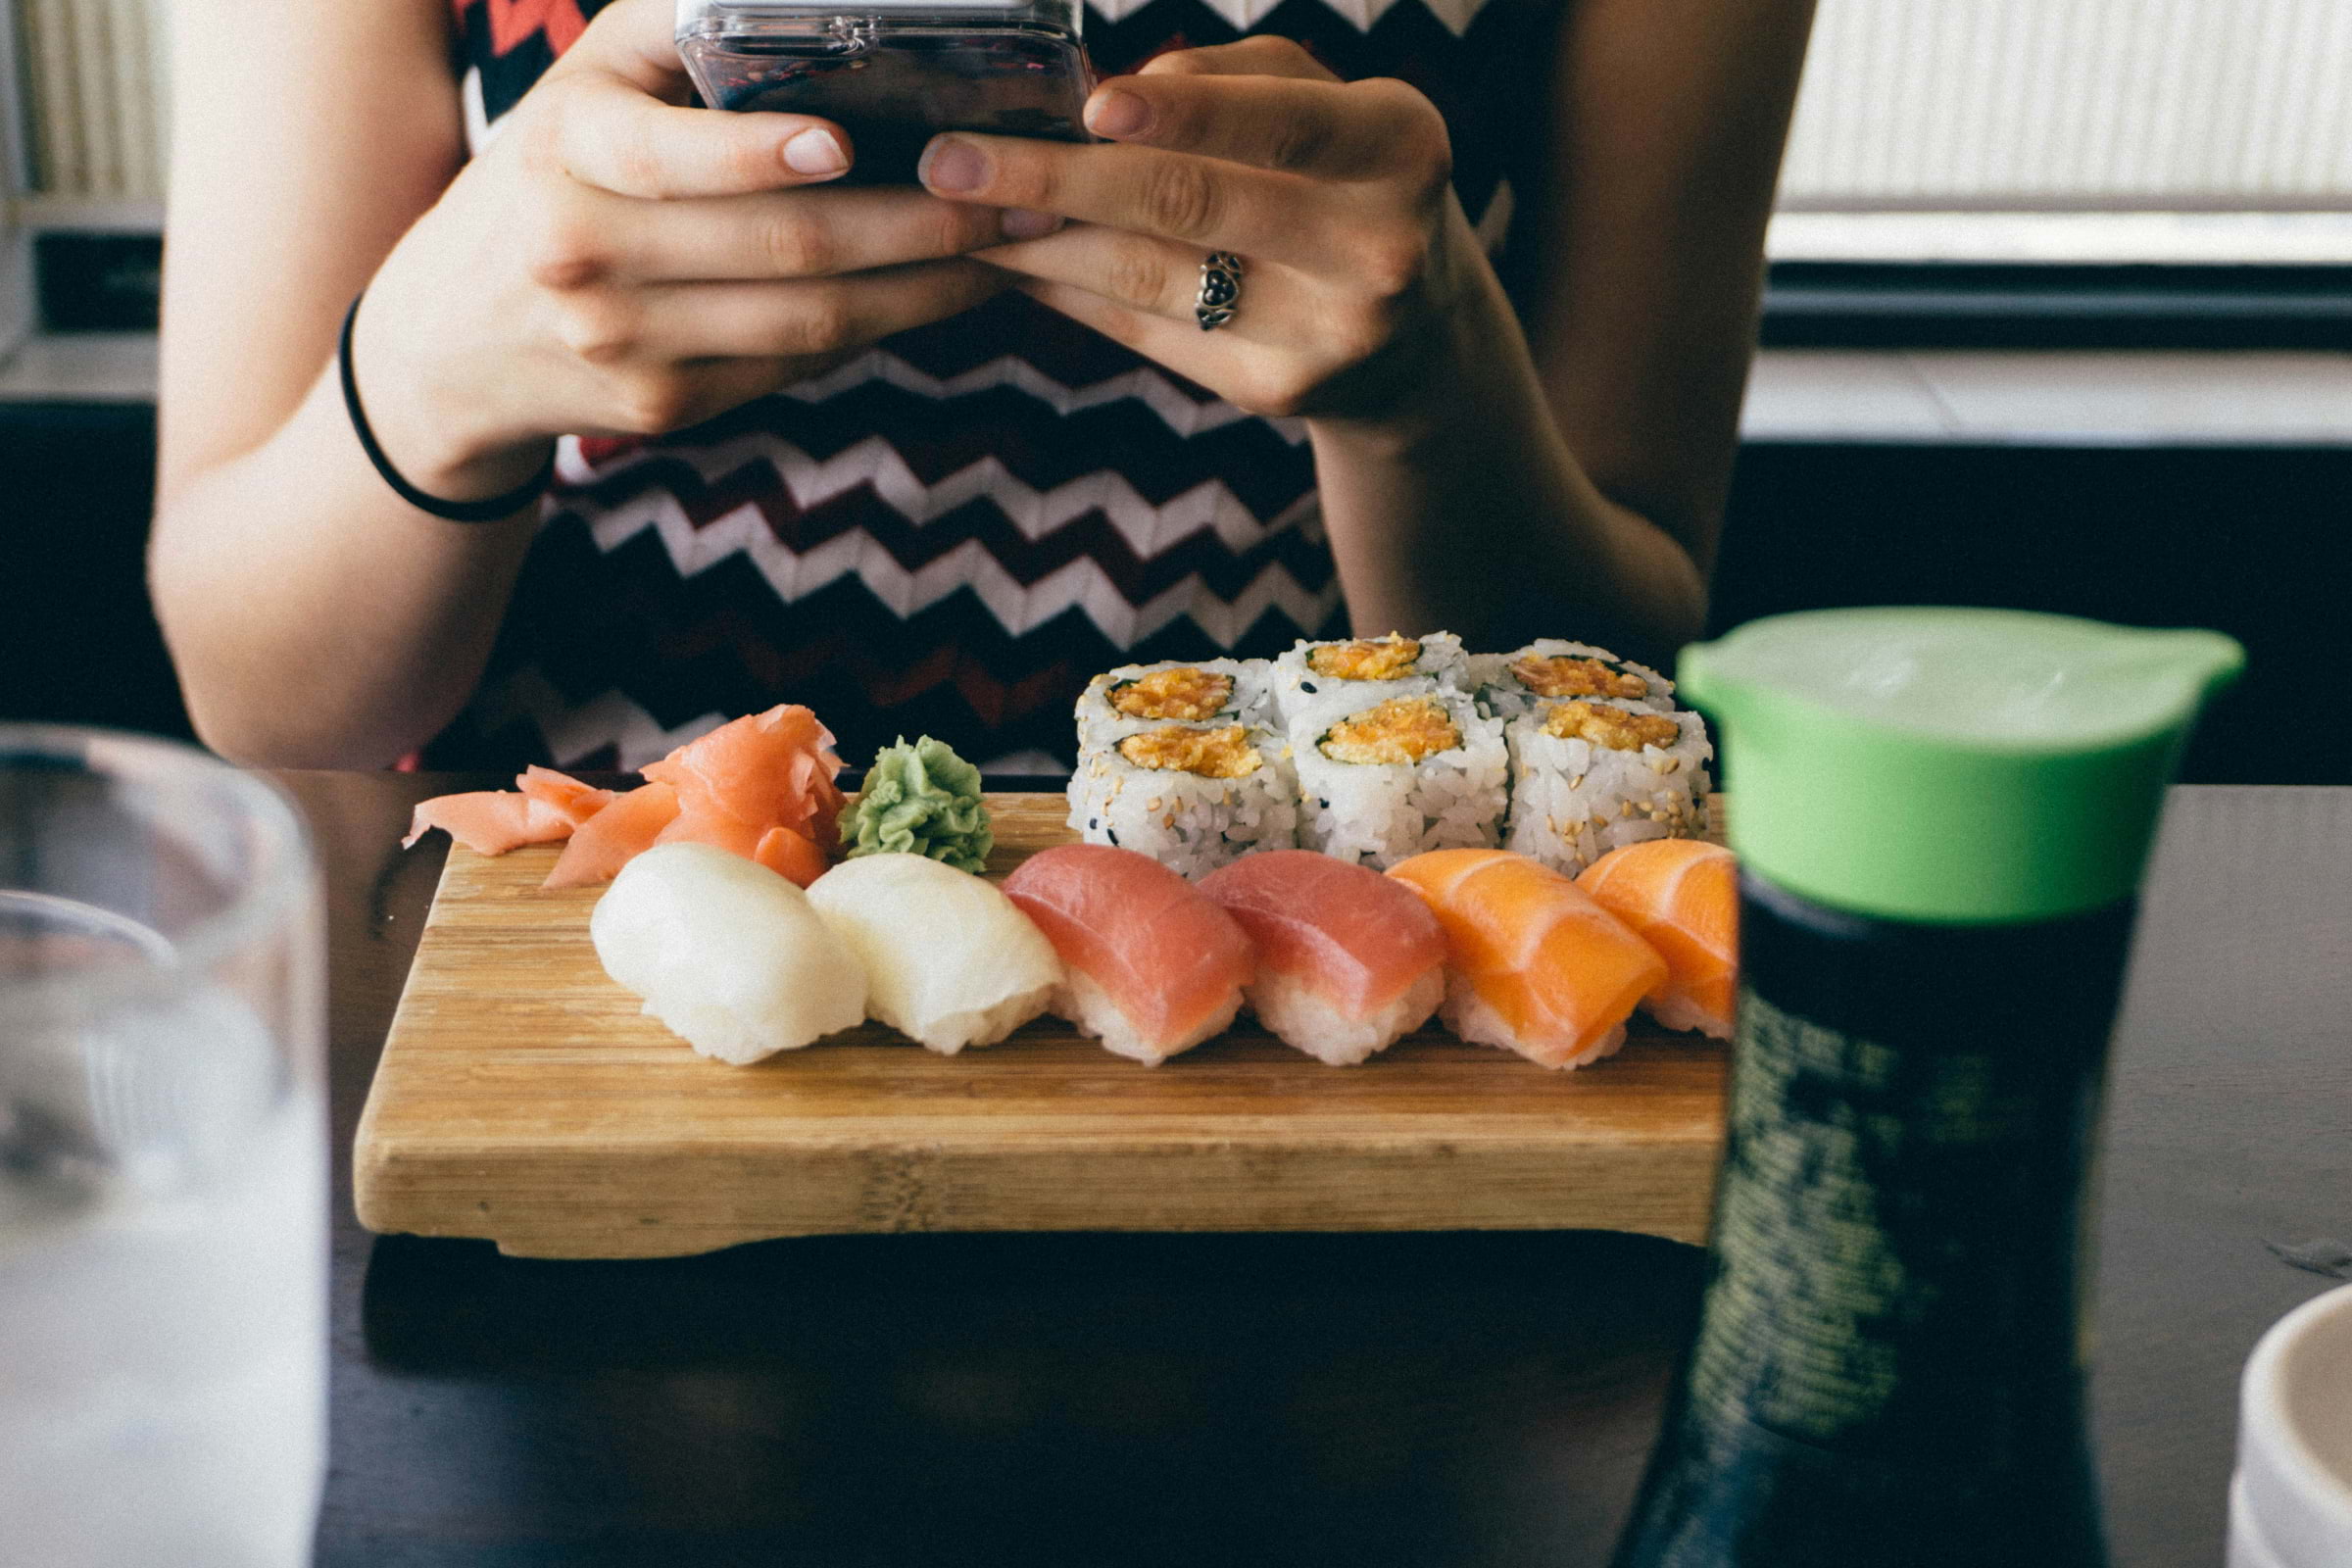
(524, 1097)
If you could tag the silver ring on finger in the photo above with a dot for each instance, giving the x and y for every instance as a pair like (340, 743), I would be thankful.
(1220, 290)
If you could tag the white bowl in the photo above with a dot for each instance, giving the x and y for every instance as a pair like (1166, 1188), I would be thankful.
(2290, 1502)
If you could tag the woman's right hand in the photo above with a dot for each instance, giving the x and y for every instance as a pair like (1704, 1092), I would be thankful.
(615, 263)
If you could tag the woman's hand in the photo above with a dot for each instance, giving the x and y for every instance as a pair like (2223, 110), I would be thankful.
(1361, 273)
(615, 263)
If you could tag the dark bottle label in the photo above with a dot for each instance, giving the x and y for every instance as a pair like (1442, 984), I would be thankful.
(1886, 1370)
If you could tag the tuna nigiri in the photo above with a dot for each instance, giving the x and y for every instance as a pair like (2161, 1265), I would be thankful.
(1347, 960)
(1533, 964)
(1151, 965)
(1682, 896)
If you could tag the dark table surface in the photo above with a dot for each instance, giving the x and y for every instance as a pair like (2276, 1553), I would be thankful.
(1426, 1399)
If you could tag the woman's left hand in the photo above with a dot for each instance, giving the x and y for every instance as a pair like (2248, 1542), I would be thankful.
(1359, 264)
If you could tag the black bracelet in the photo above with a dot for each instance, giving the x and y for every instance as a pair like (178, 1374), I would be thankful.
(487, 511)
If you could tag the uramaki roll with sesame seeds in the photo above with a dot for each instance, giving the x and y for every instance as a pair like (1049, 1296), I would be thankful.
(1391, 779)
(1193, 796)
(1588, 775)
(1331, 678)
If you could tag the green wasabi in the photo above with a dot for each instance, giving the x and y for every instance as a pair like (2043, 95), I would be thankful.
(920, 800)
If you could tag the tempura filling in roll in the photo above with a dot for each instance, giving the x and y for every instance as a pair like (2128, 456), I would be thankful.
(1185, 694)
(1612, 727)
(1390, 658)
(1402, 730)
(1207, 752)
(1563, 676)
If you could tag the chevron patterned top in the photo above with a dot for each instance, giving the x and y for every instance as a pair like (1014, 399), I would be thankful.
(951, 534)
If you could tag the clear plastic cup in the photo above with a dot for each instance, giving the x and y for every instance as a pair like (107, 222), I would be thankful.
(162, 1159)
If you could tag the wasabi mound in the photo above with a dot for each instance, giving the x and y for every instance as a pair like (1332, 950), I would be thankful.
(920, 800)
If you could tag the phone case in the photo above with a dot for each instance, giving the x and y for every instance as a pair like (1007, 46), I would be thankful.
(895, 72)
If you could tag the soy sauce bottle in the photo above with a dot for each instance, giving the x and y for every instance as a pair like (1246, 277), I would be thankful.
(1942, 817)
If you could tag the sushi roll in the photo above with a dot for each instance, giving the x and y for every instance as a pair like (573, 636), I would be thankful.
(1348, 962)
(1588, 776)
(1399, 776)
(1553, 670)
(1338, 676)
(1137, 697)
(1151, 966)
(1193, 796)
(1533, 964)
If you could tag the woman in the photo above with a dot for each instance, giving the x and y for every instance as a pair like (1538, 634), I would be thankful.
(926, 459)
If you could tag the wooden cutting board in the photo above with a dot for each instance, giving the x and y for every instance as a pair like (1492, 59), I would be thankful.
(523, 1097)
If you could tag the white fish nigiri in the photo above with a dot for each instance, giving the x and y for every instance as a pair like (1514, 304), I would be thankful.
(950, 960)
(726, 953)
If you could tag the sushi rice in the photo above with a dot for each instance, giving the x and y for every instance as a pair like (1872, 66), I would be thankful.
(1302, 1017)
(1499, 692)
(1188, 822)
(1573, 801)
(1300, 690)
(1378, 814)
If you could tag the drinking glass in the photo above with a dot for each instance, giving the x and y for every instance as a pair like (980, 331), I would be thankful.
(162, 1159)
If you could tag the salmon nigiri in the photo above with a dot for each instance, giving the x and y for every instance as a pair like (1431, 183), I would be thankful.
(1347, 960)
(1682, 896)
(1533, 964)
(1151, 965)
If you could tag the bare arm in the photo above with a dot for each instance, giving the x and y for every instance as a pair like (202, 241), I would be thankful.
(1474, 475)
(281, 564)
(612, 263)
(1583, 474)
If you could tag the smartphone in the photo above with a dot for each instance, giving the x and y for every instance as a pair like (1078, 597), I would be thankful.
(895, 72)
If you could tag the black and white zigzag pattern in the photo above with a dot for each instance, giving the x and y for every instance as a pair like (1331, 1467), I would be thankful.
(950, 534)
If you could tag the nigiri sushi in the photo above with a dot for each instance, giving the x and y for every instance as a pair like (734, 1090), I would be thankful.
(950, 962)
(727, 954)
(1533, 964)
(1682, 897)
(1151, 965)
(1347, 960)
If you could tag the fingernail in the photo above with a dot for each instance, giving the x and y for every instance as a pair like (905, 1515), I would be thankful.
(1019, 222)
(1117, 113)
(953, 165)
(815, 152)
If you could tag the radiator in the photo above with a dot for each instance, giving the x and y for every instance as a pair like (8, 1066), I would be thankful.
(2017, 105)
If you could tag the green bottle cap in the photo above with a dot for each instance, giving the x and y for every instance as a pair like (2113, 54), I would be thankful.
(1969, 766)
